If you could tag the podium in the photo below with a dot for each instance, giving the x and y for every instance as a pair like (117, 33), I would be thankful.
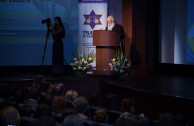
(107, 44)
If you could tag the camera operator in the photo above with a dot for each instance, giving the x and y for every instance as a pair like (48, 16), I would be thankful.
(58, 31)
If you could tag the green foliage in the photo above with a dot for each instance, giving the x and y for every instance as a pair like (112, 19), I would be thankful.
(119, 63)
(82, 62)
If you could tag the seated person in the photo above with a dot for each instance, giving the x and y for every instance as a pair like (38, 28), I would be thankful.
(100, 116)
(126, 119)
(9, 116)
(56, 89)
(81, 104)
(72, 120)
(71, 95)
(33, 98)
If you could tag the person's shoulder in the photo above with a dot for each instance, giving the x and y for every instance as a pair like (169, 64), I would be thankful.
(118, 26)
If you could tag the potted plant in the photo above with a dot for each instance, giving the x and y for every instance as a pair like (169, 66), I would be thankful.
(119, 63)
(82, 63)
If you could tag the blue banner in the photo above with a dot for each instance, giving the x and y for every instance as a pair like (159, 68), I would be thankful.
(92, 16)
(190, 32)
(92, 1)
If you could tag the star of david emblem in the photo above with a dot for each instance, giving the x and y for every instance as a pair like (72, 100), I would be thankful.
(92, 19)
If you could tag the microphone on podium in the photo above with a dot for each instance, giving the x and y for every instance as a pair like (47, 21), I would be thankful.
(101, 29)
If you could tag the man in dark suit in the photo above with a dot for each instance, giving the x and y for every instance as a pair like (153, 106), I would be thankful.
(113, 26)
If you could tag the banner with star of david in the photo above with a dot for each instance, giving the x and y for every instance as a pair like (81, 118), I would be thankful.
(92, 16)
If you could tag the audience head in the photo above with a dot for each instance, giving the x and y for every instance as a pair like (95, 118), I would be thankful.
(72, 120)
(71, 95)
(127, 105)
(126, 119)
(95, 100)
(100, 116)
(44, 86)
(81, 104)
(34, 93)
(47, 99)
(43, 110)
(56, 89)
(59, 89)
(9, 116)
(126, 115)
(51, 89)
(69, 111)
(111, 101)
(58, 104)
(38, 80)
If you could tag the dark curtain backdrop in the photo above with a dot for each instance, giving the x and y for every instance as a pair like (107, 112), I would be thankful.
(140, 19)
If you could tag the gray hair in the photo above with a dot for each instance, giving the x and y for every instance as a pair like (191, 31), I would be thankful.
(71, 95)
(72, 120)
(80, 104)
(111, 17)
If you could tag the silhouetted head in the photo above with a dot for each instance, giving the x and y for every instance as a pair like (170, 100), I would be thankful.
(71, 95)
(81, 104)
(58, 21)
(9, 116)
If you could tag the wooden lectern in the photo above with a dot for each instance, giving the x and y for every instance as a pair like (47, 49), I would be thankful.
(107, 44)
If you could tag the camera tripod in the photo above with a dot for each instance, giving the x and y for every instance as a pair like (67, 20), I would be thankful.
(47, 36)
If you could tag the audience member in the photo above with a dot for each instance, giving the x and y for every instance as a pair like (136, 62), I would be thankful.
(81, 104)
(71, 95)
(56, 89)
(33, 98)
(111, 102)
(58, 108)
(69, 111)
(9, 116)
(126, 119)
(38, 80)
(46, 99)
(128, 105)
(44, 86)
(43, 110)
(100, 116)
(95, 100)
(72, 120)
(58, 104)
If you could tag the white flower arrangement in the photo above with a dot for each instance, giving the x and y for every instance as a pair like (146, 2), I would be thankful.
(119, 64)
(82, 63)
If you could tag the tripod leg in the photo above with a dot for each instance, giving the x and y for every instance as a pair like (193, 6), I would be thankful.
(43, 57)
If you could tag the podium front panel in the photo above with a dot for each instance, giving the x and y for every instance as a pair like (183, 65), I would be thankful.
(106, 38)
(103, 57)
